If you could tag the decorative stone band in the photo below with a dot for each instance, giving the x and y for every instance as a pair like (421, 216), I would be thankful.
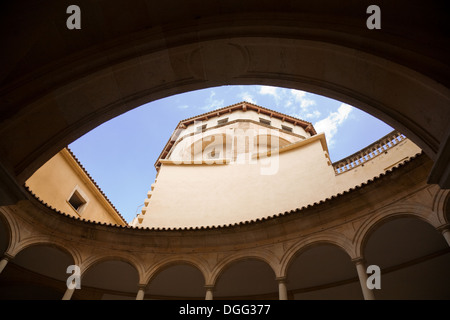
(375, 149)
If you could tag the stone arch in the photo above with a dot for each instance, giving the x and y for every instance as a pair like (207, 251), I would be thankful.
(441, 205)
(9, 232)
(44, 241)
(122, 278)
(39, 269)
(246, 276)
(297, 248)
(96, 259)
(412, 255)
(260, 255)
(187, 265)
(206, 141)
(322, 270)
(200, 65)
(412, 210)
(161, 265)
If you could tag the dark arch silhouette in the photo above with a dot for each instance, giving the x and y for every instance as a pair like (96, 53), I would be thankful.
(58, 84)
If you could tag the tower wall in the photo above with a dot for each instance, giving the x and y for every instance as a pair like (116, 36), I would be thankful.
(190, 195)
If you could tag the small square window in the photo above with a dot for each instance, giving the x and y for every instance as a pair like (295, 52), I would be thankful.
(77, 201)
(264, 121)
(201, 128)
(222, 121)
(286, 128)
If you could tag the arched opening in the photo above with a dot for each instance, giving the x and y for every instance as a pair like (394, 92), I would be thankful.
(110, 279)
(266, 142)
(36, 272)
(177, 281)
(209, 148)
(52, 94)
(246, 279)
(323, 271)
(413, 257)
(62, 91)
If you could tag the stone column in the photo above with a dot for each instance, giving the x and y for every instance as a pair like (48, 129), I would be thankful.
(4, 261)
(68, 294)
(362, 275)
(141, 292)
(445, 230)
(282, 288)
(209, 292)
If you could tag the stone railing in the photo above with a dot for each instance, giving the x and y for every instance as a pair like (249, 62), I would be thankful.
(375, 149)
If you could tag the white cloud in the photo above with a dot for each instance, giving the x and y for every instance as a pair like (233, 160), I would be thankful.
(313, 115)
(246, 96)
(330, 124)
(297, 103)
(306, 103)
(211, 103)
(297, 94)
(270, 91)
(288, 103)
(300, 97)
(184, 106)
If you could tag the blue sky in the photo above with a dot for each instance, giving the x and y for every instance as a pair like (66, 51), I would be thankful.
(120, 154)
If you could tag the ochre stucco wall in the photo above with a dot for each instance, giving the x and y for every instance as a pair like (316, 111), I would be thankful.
(191, 195)
(57, 179)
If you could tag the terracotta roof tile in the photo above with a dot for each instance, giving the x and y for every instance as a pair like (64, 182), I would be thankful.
(249, 106)
(247, 222)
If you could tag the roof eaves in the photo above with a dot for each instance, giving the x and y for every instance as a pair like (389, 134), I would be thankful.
(95, 184)
(247, 222)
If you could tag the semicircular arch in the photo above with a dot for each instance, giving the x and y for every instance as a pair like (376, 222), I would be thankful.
(334, 239)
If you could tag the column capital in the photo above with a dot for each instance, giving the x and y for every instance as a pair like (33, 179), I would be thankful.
(142, 286)
(444, 227)
(359, 260)
(281, 279)
(209, 291)
(141, 291)
(7, 256)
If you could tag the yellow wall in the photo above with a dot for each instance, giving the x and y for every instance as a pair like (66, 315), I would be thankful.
(192, 195)
(202, 194)
(57, 179)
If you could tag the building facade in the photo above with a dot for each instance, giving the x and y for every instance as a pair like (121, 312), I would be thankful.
(65, 185)
(245, 162)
